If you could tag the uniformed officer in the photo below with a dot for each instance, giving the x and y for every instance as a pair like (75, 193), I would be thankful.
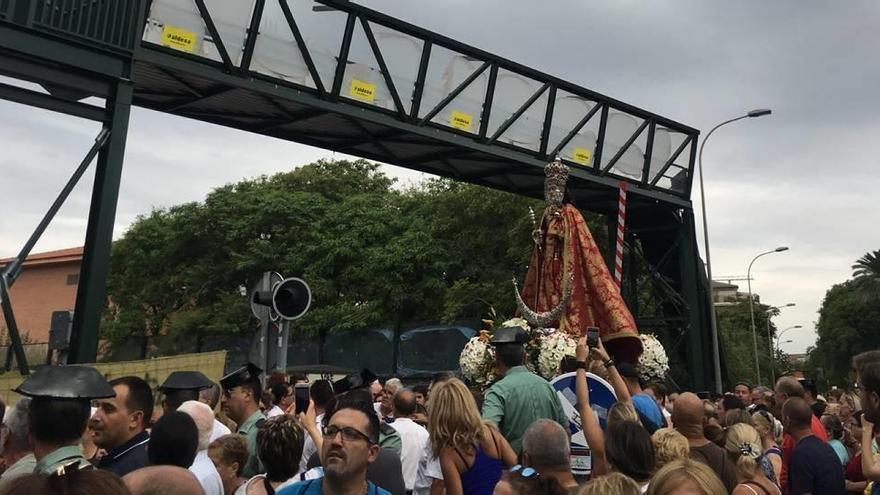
(59, 412)
(241, 403)
(521, 397)
(181, 386)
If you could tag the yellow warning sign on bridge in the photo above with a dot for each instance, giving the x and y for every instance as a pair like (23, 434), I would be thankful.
(179, 39)
(362, 90)
(582, 156)
(461, 120)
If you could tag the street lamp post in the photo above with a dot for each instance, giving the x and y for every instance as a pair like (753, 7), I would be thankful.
(779, 337)
(752, 308)
(716, 355)
(770, 343)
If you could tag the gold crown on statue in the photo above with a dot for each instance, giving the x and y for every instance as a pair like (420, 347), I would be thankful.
(556, 176)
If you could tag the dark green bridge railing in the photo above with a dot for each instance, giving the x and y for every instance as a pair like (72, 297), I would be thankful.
(111, 24)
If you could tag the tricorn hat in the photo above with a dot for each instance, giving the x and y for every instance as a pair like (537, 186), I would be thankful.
(509, 335)
(246, 374)
(66, 382)
(363, 378)
(185, 380)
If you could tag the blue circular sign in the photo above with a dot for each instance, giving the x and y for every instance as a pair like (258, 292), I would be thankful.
(602, 397)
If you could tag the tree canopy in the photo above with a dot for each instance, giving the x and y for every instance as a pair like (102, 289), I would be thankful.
(849, 323)
(735, 333)
(372, 253)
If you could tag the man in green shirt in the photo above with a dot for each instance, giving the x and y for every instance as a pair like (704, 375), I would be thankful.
(241, 403)
(521, 397)
(59, 411)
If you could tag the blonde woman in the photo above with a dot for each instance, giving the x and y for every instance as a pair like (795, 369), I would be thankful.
(471, 452)
(620, 412)
(743, 446)
(686, 477)
(669, 445)
(616, 483)
(771, 459)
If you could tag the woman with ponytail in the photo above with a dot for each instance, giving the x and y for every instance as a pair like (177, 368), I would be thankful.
(743, 445)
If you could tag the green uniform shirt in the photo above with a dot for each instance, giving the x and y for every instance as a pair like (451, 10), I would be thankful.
(58, 458)
(389, 438)
(23, 466)
(518, 400)
(249, 428)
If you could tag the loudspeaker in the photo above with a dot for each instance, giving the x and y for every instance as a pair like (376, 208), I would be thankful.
(60, 329)
(290, 298)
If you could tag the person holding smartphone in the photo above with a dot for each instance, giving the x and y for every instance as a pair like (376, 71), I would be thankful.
(590, 422)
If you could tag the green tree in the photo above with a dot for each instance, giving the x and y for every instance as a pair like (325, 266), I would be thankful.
(734, 328)
(866, 273)
(372, 254)
(849, 323)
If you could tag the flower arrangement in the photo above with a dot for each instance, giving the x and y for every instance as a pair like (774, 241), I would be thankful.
(544, 352)
(477, 360)
(552, 348)
(653, 363)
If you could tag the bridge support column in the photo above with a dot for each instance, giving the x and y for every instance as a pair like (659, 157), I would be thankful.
(91, 295)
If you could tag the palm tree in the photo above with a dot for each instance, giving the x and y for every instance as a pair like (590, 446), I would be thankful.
(866, 272)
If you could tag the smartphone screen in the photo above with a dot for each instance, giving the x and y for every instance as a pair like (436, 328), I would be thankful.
(592, 336)
(301, 396)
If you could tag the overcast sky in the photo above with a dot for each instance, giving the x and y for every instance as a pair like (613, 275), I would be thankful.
(804, 177)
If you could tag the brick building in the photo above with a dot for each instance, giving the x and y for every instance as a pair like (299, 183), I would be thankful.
(47, 283)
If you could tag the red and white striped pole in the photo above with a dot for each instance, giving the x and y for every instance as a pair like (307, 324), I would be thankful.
(621, 224)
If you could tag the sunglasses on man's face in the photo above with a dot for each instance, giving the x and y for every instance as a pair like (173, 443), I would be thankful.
(525, 472)
(349, 434)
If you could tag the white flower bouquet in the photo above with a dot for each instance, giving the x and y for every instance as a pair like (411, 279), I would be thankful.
(477, 360)
(551, 349)
(653, 363)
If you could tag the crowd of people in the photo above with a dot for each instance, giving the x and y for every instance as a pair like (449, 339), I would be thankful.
(74, 432)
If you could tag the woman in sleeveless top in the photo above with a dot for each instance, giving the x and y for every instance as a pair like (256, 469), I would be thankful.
(471, 453)
(743, 446)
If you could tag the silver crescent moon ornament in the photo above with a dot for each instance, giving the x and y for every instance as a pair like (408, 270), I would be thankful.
(543, 320)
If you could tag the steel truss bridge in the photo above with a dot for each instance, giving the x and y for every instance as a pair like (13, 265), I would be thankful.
(336, 75)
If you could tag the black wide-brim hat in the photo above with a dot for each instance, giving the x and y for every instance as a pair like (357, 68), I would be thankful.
(246, 374)
(363, 378)
(509, 335)
(185, 380)
(66, 382)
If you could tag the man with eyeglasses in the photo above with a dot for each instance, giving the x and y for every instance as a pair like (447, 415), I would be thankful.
(241, 403)
(350, 445)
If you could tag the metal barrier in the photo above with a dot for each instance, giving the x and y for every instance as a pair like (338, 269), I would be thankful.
(112, 24)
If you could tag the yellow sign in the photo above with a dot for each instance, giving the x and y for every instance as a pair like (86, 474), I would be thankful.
(461, 120)
(362, 90)
(179, 39)
(582, 156)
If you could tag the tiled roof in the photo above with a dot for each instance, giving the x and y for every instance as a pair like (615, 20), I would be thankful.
(59, 255)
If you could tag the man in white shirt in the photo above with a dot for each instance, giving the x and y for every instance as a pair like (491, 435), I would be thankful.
(211, 396)
(413, 436)
(202, 467)
(321, 393)
(278, 391)
(429, 472)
